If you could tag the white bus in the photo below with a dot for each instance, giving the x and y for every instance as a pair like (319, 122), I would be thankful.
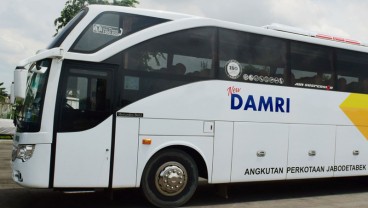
(128, 97)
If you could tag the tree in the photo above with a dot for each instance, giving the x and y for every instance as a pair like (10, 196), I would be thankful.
(72, 7)
(3, 94)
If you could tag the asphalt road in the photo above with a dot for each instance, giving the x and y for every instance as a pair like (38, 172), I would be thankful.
(5, 171)
(326, 193)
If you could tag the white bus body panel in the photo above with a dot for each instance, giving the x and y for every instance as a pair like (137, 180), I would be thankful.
(48, 111)
(168, 132)
(209, 100)
(348, 140)
(202, 144)
(35, 172)
(222, 152)
(126, 152)
(286, 138)
(83, 158)
(250, 140)
(174, 127)
(304, 141)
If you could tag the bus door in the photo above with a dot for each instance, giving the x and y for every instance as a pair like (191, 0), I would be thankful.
(84, 126)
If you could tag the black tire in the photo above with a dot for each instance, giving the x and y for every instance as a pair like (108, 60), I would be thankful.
(157, 189)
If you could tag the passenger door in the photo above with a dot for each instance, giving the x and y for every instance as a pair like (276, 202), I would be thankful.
(84, 126)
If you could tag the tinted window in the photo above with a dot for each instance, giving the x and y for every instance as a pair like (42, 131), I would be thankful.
(30, 113)
(182, 53)
(109, 27)
(352, 71)
(311, 66)
(86, 99)
(252, 58)
(167, 61)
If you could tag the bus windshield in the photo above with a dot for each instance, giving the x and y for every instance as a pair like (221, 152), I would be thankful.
(29, 116)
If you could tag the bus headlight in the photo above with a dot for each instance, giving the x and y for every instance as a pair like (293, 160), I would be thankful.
(25, 151)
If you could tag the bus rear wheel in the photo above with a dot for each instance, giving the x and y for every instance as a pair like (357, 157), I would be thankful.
(170, 178)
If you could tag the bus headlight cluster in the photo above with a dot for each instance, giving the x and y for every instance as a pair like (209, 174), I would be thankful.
(24, 152)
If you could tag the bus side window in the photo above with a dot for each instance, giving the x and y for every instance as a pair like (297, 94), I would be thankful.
(195, 66)
(172, 53)
(86, 100)
(167, 61)
(351, 69)
(311, 66)
(262, 59)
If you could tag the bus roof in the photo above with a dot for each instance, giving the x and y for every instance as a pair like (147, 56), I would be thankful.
(275, 30)
(139, 11)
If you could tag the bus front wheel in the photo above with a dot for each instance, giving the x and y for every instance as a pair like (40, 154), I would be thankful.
(170, 178)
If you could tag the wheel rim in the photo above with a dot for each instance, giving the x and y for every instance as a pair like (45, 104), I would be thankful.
(171, 178)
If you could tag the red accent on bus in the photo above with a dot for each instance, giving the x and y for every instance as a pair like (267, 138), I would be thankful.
(327, 37)
(339, 39)
(352, 41)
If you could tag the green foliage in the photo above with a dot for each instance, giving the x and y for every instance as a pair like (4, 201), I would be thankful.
(3, 93)
(6, 137)
(72, 7)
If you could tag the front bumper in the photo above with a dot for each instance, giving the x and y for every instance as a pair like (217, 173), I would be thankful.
(35, 172)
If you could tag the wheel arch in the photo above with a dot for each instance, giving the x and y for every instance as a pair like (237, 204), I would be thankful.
(197, 157)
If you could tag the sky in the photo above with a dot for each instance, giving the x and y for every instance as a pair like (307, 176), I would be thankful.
(28, 25)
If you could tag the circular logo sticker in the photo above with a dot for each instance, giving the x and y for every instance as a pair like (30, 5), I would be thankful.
(265, 79)
(245, 77)
(281, 81)
(261, 78)
(233, 69)
(272, 80)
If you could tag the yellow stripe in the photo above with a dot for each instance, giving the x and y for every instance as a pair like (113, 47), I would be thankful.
(355, 107)
(355, 101)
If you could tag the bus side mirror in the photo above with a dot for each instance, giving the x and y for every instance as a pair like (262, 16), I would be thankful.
(39, 69)
(20, 82)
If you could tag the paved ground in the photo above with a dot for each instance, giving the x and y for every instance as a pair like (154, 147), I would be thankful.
(327, 193)
(5, 171)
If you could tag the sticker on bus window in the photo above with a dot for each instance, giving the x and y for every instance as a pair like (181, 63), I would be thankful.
(265, 79)
(107, 30)
(316, 86)
(233, 69)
